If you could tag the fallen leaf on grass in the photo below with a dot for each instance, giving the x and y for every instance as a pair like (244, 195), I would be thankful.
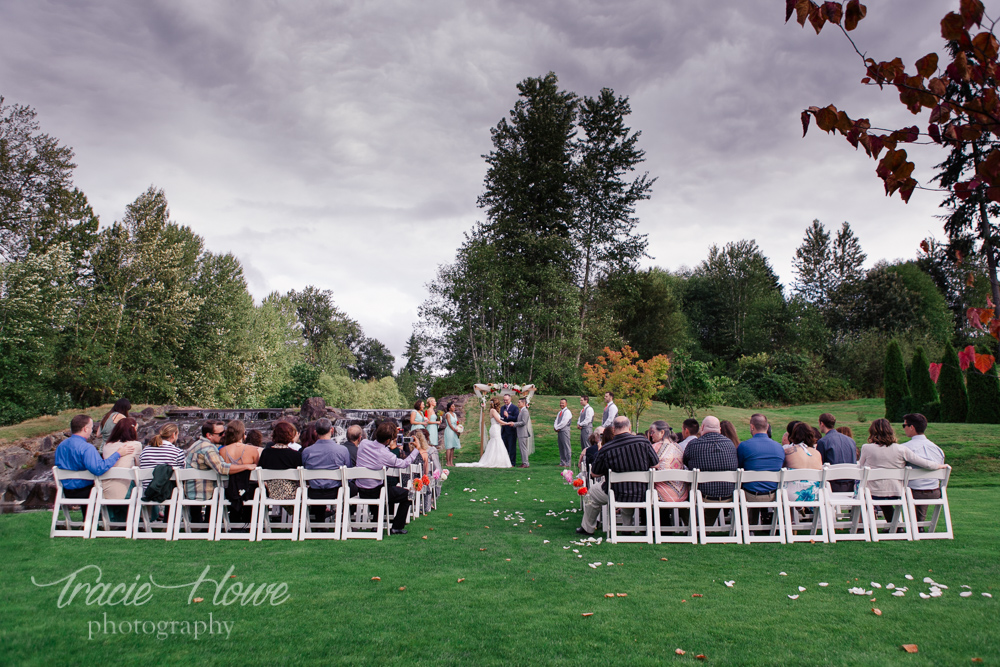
(232, 576)
(623, 595)
(424, 537)
(376, 578)
(663, 559)
(609, 595)
(680, 651)
(587, 613)
(402, 588)
(910, 648)
(977, 660)
(449, 515)
(683, 600)
(482, 548)
(877, 612)
(461, 580)
(700, 656)
(454, 538)
(873, 600)
(199, 599)
(507, 559)
(697, 595)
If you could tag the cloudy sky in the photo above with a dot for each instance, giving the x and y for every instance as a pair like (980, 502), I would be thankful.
(339, 143)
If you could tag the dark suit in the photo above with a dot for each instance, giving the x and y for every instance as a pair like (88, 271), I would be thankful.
(508, 434)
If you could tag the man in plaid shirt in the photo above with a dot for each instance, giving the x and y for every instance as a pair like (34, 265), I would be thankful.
(204, 455)
(626, 452)
(711, 452)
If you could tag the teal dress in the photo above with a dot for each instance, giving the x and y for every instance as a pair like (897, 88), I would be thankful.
(418, 424)
(432, 429)
(451, 440)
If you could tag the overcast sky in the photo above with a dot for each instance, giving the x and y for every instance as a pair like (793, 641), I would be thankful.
(339, 143)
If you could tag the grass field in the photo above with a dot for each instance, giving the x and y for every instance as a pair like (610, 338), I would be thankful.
(524, 589)
(46, 424)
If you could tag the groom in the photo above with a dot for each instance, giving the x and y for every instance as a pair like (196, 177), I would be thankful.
(508, 414)
(523, 425)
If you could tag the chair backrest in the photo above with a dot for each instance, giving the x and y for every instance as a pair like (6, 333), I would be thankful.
(265, 475)
(731, 476)
(190, 474)
(60, 474)
(336, 474)
(805, 475)
(119, 473)
(674, 475)
(641, 476)
(761, 476)
(364, 473)
(844, 471)
(921, 473)
(875, 474)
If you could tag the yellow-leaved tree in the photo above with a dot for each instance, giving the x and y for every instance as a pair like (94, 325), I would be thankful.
(633, 381)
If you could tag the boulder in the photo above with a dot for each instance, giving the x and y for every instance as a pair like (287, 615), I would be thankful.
(15, 458)
(312, 409)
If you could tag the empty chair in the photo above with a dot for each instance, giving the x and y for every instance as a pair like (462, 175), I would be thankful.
(61, 508)
(761, 508)
(897, 525)
(845, 510)
(357, 522)
(147, 514)
(185, 528)
(798, 502)
(289, 505)
(102, 525)
(731, 528)
(676, 532)
(926, 529)
(639, 508)
(331, 526)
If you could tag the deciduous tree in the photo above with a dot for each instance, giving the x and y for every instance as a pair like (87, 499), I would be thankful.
(633, 381)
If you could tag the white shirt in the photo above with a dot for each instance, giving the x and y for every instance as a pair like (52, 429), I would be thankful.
(921, 446)
(684, 443)
(612, 411)
(586, 416)
(563, 419)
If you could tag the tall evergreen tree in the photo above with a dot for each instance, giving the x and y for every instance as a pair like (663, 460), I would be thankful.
(984, 396)
(951, 387)
(812, 264)
(921, 385)
(848, 258)
(897, 390)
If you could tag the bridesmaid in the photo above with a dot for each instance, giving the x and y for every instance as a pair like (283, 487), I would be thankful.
(432, 421)
(451, 441)
(417, 420)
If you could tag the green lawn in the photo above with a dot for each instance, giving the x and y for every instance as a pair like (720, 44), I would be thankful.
(525, 610)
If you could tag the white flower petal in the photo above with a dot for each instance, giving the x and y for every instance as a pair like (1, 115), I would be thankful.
(987, 595)
(965, 594)
(824, 584)
(909, 576)
(545, 541)
(924, 595)
(875, 584)
(782, 574)
(801, 588)
(730, 583)
(964, 586)
(898, 594)
(928, 580)
(793, 597)
(890, 586)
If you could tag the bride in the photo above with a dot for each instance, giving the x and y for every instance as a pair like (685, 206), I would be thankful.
(495, 454)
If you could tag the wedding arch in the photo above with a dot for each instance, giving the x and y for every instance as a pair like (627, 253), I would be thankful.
(486, 392)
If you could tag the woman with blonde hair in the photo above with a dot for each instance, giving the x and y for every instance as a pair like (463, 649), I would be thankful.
(162, 449)
(433, 421)
(883, 451)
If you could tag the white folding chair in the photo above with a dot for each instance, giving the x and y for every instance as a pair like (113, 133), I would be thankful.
(153, 528)
(103, 526)
(687, 533)
(182, 517)
(644, 505)
(63, 504)
(732, 529)
(309, 529)
(900, 514)
(357, 524)
(776, 529)
(816, 527)
(939, 504)
(845, 510)
(417, 506)
(266, 527)
(223, 523)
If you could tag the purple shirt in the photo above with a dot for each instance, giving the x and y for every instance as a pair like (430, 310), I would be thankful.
(375, 456)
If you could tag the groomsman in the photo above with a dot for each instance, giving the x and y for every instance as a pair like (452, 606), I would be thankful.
(508, 413)
(610, 410)
(561, 428)
(586, 422)
(524, 434)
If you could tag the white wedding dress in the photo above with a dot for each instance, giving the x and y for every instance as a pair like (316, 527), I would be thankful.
(495, 453)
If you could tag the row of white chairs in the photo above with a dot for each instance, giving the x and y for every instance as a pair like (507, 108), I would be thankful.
(831, 517)
(351, 516)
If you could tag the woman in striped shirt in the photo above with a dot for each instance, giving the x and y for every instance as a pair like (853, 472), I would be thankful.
(161, 449)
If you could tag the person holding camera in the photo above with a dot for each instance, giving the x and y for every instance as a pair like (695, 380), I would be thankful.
(375, 455)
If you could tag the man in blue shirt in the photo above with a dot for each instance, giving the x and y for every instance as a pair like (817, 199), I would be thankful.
(835, 447)
(324, 454)
(760, 453)
(75, 453)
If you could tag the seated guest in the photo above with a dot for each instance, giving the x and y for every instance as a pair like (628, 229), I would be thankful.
(324, 454)
(712, 452)
(76, 453)
(375, 455)
(254, 438)
(588, 455)
(760, 453)
(846, 430)
(669, 458)
(802, 453)
(124, 433)
(728, 429)
(882, 451)
(835, 447)
(118, 412)
(239, 488)
(626, 452)
(162, 450)
(914, 426)
(354, 434)
(234, 448)
(306, 438)
(281, 456)
(786, 437)
(689, 431)
(204, 455)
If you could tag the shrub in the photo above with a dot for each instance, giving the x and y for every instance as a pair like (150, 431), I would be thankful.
(303, 383)
(922, 387)
(951, 387)
(931, 410)
(984, 396)
(897, 390)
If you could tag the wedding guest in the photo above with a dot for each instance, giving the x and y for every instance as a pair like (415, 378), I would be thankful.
(590, 452)
(760, 452)
(124, 433)
(236, 451)
(255, 438)
(626, 452)
(606, 434)
(689, 431)
(118, 412)
(204, 455)
(710, 452)
(433, 421)
(76, 453)
(324, 454)
(802, 453)
(883, 451)
(846, 430)
(162, 450)
(234, 448)
(610, 410)
(375, 455)
(561, 427)
(729, 430)
(281, 456)
(786, 439)
(914, 425)
(585, 422)
(306, 438)
(670, 458)
(451, 435)
(354, 434)
(835, 448)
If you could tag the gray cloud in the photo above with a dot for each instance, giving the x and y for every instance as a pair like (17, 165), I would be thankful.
(338, 144)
